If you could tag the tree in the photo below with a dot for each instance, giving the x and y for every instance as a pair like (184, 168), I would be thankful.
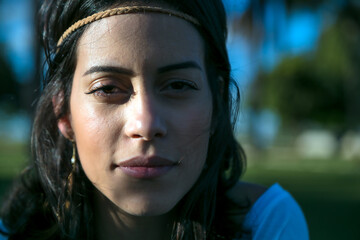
(321, 88)
(9, 91)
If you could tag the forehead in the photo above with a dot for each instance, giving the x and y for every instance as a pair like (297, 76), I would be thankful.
(141, 37)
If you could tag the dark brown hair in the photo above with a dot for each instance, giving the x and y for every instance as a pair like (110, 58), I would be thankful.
(37, 207)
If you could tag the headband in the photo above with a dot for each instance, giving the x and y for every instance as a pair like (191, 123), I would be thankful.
(124, 10)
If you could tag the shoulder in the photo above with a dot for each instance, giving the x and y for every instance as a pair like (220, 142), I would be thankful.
(2, 231)
(244, 195)
(244, 192)
(273, 214)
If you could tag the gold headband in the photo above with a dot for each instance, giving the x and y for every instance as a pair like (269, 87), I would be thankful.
(124, 10)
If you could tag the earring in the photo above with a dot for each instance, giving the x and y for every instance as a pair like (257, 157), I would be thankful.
(73, 159)
(73, 162)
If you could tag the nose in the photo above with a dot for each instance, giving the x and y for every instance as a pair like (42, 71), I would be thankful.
(144, 118)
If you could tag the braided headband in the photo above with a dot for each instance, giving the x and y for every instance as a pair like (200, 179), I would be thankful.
(124, 10)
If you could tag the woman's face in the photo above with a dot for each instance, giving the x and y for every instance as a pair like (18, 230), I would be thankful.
(141, 110)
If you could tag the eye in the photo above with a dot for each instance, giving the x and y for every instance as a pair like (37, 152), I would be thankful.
(180, 85)
(108, 90)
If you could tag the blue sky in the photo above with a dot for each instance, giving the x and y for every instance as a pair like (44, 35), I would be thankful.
(16, 33)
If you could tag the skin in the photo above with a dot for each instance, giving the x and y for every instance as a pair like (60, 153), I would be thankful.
(140, 89)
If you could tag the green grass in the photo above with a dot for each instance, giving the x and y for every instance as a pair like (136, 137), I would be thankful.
(328, 191)
(12, 158)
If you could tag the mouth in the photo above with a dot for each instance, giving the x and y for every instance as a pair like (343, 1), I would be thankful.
(146, 167)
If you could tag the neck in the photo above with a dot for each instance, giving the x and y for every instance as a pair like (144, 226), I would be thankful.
(112, 223)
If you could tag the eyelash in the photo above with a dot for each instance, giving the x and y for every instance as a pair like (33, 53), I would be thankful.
(103, 90)
(184, 84)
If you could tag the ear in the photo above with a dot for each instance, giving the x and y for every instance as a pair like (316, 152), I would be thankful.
(64, 125)
(63, 122)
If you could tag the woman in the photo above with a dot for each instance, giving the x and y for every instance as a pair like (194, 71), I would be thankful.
(132, 136)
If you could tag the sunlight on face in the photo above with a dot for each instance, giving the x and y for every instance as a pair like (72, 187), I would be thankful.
(141, 110)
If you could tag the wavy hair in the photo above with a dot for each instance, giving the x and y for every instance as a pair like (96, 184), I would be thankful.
(38, 206)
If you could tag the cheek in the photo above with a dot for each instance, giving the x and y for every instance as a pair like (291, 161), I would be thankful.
(192, 144)
(194, 122)
(193, 133)
(94, 133)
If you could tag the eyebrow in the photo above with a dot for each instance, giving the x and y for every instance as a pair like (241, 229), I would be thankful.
(120, 70)
(109, 69)
(177, 66)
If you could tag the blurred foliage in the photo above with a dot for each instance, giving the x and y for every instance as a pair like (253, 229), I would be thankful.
(321, 87)
(20, 94)
(251, 23)
(9, 91)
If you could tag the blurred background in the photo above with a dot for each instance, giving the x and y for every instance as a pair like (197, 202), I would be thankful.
(297, 63)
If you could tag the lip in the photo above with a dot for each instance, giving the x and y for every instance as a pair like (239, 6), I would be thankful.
(146, 167)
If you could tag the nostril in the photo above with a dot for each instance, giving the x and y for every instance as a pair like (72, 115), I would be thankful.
(136, 136)
(148, 136)
(158, 135)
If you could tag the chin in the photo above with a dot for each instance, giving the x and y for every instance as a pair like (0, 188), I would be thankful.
(148, 209)
(148, 213)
